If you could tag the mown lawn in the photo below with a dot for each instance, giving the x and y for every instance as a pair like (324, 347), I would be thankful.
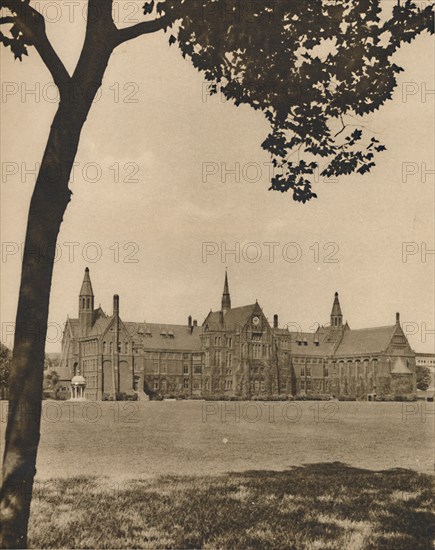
(328, 505)
(234, 475)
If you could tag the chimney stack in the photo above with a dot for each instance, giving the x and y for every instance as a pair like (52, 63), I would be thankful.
(189, 321)
(397, 318)
(195, 323)
(115, 304)
(275, 321)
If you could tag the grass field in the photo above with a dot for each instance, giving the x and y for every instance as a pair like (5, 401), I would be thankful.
(234, 475)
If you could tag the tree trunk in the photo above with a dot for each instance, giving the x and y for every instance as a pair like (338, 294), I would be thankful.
(48, 204)
(49, 201)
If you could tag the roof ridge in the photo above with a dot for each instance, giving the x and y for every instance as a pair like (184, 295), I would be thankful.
(370, 328)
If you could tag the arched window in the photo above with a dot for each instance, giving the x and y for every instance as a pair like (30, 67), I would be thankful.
(88, 303)
(126, 347)
(110, 347)
(104, 347)
(366, 367)
(245, 349)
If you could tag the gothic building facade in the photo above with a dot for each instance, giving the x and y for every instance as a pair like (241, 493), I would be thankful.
(236, 352)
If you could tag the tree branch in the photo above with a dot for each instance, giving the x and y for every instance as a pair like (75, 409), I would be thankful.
(146, 27)
(32, 25)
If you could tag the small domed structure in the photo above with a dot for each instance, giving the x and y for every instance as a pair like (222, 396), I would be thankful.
(78, 384)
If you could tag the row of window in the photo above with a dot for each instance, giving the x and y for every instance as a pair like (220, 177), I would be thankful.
(89, 365)
(260, 350)
(108, 347)
(89, 347)
(197, 369)
(258, 386)
(92, 381)
(222, 358)
(321, 360)
(86, 303)
(163, 384)
(220, 340)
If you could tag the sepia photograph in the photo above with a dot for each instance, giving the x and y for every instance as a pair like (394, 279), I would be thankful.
(217, 274)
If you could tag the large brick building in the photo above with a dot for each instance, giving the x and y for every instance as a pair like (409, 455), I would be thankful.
(235, 352)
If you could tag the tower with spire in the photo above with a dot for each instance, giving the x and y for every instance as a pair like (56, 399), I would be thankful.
(226, 298)
(86, 305)
(336, 315)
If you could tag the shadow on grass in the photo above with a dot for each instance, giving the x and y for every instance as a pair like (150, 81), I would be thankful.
(327, 505)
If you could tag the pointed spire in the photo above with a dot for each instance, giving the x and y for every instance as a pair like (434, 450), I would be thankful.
(86, 305)
(226, 298)
(336, 315)
(86, 289)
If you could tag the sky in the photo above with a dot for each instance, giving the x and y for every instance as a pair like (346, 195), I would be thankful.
(157, 208)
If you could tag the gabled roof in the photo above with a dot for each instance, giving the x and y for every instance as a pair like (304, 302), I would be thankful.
(99, 313)
(234, 318)
(63, 373)
(308, 345)
(100, 326)
(366, 340)
(169, 337)
(281, 332)
(74, 326)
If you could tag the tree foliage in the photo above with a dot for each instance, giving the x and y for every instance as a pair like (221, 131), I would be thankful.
(5, 367)
(424, 377)
(312, 67)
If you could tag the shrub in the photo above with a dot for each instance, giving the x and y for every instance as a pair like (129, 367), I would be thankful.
(131, 395)
(63, 395)
(399, 398)
(312, 397)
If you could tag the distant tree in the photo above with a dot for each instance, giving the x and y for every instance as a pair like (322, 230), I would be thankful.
(424, 377)
(5, 369)
(51, 381)
(263, 54)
